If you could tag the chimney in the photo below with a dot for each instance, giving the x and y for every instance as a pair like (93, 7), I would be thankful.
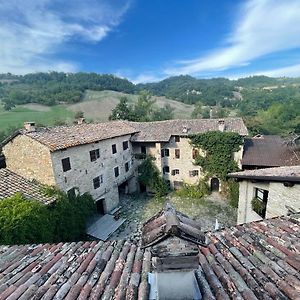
(211, 113)
(221, 125)
(174, 240)
(29, 126)
(185, 129)
(81, 121)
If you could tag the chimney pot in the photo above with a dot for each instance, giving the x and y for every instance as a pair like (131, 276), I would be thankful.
(221, 125)
(81, 121)
(29, 126)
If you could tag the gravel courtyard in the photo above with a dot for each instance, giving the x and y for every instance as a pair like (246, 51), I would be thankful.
(138, 209)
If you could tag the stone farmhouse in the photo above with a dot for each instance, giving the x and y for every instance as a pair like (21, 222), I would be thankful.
(168, 142)
(268, 193)
(173, 260)
(102, 158)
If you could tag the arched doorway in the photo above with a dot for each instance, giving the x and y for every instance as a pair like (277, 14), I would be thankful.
(100, 206)
(214, 184)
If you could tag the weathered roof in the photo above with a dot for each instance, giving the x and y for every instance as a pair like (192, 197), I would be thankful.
(259, 260)
(289, 173)
(268, 151)
(62, 137)
(11, 183)
(161, 131)
(169, 222)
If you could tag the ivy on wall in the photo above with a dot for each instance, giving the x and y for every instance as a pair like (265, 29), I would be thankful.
(219, 147)
(149, 176)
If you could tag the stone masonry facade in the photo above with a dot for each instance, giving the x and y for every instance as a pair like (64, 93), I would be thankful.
(279, 197)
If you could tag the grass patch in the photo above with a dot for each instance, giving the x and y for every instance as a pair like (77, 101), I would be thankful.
(17, 116)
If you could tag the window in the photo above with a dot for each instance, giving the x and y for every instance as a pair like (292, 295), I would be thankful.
(143, 150)
(116, 170)
(194, 173)
(165, 152)
(97, 181)
(127, 166)
(177, 139)
(94, 154)
(195, 153)
(259, 202)
(66, 164)
(166, 170)
(125, 145)
(175, 172)
(177, 153)
(114, 148)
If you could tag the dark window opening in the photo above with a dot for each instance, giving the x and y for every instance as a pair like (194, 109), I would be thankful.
(96, 182)
(177, 153)
(194, 173)
(165, 152)
(127, 167)
(94, 154)
(114, 148)
(166, 170)
(177, 139)
(259, 202)
(195, 153)
(143, 150)
(175, 172)
(66, 164)
(116, 170)
(125, 145)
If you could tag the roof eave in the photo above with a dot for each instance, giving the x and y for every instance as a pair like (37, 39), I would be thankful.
(266, 178)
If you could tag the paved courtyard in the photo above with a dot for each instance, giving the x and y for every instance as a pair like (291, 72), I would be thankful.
(138, 209)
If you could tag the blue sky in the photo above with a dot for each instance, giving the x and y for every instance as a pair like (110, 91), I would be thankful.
(148, 40)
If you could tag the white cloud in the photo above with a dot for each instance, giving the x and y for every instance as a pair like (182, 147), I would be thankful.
(264, 27)
(32, 32)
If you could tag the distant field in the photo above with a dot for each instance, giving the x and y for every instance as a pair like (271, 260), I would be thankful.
(97, 106)
(50, 116)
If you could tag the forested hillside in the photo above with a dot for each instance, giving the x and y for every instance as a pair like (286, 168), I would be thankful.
(268, 105)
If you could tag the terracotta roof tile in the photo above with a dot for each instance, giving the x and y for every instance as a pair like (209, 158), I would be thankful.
(258, 260)
(289, 173)
(62, 137)
(161, 131)
(268, 151)
(11, 183)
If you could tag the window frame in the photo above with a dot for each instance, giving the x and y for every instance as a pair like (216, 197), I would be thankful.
(114, 148)
(177, 139)
(94, 154)
(66, 164)
(166, 171)
(127, 166)
(175, 172)
(195, 153)
(177, 153)
(125, 145)
(116, 172)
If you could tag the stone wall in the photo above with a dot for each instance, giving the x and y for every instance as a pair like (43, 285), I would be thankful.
(83, 170)
(30, 159)
(279, 196)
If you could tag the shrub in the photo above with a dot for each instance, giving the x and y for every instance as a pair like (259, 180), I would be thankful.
(233, 192)
(193, 191)
(30, 221)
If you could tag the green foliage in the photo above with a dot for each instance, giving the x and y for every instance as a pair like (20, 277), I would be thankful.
(24, 221)
(258, 206)
(193, 191)
(142, 111)
(149, 176)
(29, 221)
(232, 188)
(219, 147)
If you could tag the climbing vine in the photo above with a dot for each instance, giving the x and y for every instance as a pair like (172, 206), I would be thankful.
(149, 176)
(219, 147)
